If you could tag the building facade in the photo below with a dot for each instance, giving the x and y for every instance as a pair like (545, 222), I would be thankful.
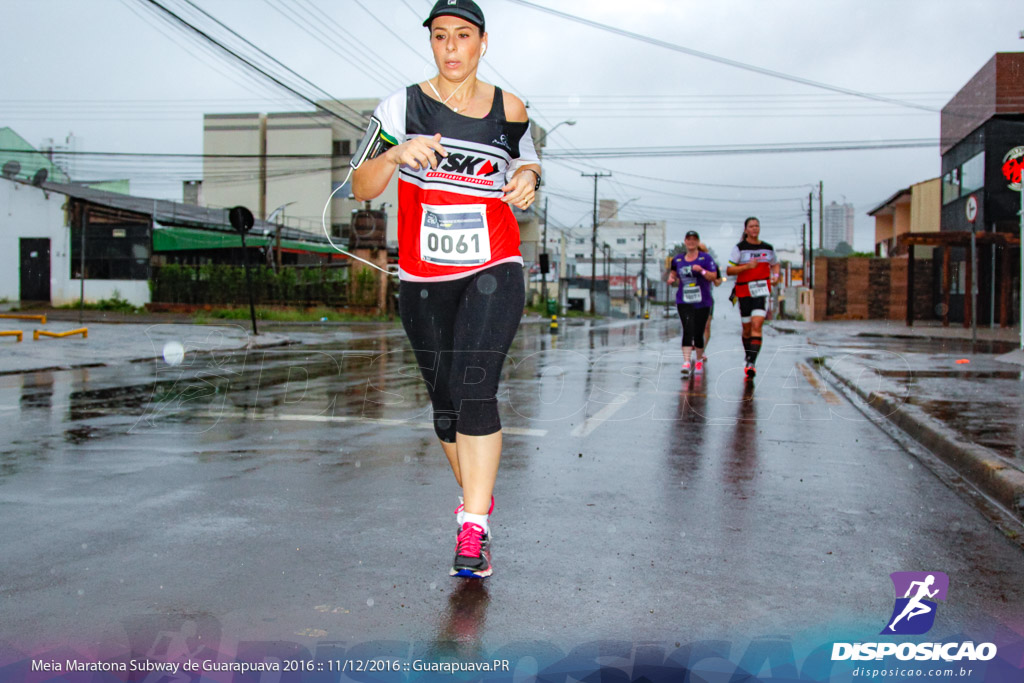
(837, 225)
(914, 209)
(982, 146)
(285, 165)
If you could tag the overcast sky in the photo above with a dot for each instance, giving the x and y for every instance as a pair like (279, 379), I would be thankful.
(121, 79)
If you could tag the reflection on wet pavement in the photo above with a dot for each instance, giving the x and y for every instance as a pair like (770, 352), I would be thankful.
(299, 494)
(981, 399)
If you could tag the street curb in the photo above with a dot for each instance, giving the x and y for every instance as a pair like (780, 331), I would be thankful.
(782, 326)
(981, 466)
(1014, 357)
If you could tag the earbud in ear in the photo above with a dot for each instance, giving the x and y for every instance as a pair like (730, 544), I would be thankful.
(483, 49)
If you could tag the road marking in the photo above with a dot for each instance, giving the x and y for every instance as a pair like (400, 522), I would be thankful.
(602, 416)
(815, 382)
(512, 431)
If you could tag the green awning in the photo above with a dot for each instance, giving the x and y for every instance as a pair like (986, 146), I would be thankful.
(187, 239)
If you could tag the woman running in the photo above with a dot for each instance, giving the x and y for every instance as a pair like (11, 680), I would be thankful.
(465, 156)
(756, 268)
(694, 272)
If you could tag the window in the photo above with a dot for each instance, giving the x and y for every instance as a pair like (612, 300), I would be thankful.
(951, 186)
(581, 240)
(972, 174)
(621, 240)
(342, 148)
(580, 256)
(112, 252)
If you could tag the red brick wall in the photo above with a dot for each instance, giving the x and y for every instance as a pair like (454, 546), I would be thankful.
(863, 288)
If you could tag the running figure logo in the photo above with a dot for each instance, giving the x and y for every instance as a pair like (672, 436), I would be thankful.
(916, 592)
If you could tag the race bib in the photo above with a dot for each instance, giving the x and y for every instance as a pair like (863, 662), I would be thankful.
(455, 235)
(758, 288)
(691, 293)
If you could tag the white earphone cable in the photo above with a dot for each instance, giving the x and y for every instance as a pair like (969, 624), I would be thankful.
(327, 233)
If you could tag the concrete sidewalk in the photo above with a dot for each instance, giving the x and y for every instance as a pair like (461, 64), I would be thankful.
(109, 344)
(961, 401)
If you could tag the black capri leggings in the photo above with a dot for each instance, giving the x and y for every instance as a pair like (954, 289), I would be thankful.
(694, 321)
(461, 331)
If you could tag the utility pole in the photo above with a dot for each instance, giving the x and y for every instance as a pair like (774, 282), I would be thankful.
(810, 239)
(643, 268)
(593, 242)
(625, 282)
(803, 251)
(546, 261)
(821, 215)
(605, 248)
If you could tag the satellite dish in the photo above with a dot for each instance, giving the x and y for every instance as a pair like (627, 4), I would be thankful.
(40, 177)
(11, 169)
(241, 219)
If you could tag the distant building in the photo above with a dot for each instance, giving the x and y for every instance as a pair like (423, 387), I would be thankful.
(625, 240)
(63, 153)
(982, 146)
(293, 161)
(288, 162)
(976, 201)
(26, 159)
(837, 225)
(913, 209)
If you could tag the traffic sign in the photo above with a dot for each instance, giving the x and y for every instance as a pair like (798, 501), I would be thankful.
(972, 209)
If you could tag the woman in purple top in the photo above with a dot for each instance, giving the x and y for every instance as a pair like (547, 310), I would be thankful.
(694, 272)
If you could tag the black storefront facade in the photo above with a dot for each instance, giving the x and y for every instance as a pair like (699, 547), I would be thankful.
(982, 156)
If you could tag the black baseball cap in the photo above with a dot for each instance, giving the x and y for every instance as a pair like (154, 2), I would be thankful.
(692, 233)
(466, 9)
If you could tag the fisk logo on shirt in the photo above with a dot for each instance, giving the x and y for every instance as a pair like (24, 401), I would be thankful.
(481, 171)
(752, 255)
(466, 164)
(916, 592)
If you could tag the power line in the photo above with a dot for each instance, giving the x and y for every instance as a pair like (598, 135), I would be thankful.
(711, 150)
(720, 60)
(272, 58)
(190, 27)
(174, 155)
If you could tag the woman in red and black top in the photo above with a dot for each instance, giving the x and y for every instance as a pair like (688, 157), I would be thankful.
(756, 268)
(465, 156)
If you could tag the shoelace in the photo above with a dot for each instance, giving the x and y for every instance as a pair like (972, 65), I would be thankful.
(470, 540)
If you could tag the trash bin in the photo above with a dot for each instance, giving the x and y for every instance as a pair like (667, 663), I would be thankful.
(552, 307)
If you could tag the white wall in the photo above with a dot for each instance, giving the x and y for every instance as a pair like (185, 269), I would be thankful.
(27, 211)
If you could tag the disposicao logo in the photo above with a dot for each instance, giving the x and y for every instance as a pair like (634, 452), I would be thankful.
(914, 614)
(916, 593)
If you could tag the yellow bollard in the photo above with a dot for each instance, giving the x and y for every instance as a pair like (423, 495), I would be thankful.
(84, 331)
(11, 333)
(554, 324)
(25, 316)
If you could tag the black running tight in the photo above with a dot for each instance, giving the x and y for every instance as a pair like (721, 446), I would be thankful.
(461, 331)
(694, 321)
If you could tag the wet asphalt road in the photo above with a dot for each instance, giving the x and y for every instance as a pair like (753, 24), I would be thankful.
(298, 494)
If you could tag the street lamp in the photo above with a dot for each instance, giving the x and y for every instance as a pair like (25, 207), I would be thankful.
(568, 122)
